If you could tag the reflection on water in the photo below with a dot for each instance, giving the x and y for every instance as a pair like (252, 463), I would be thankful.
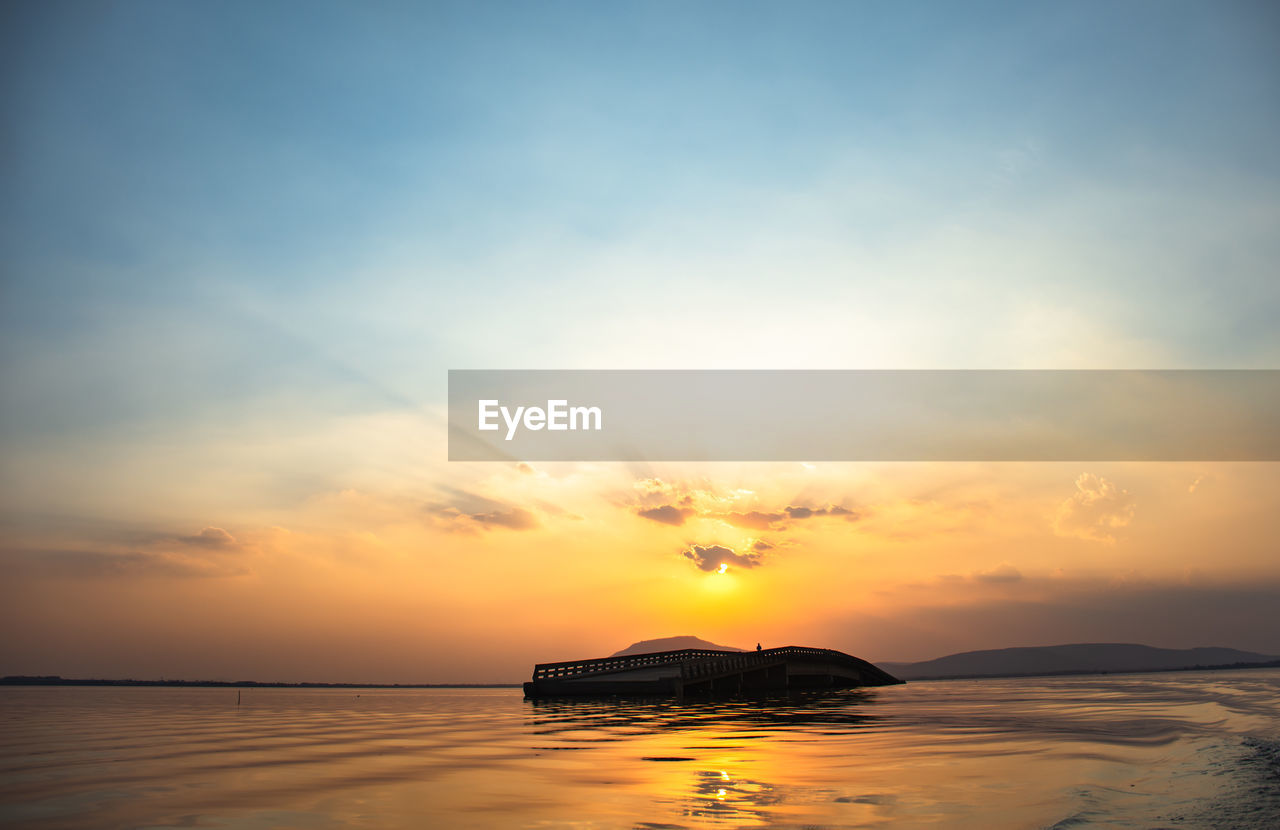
(1185, 749)
(840, 710)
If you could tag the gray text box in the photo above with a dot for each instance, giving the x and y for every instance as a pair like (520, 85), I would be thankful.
(887, 415)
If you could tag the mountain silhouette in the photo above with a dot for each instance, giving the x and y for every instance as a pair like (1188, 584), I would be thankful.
(671, 644)
(1071, 659)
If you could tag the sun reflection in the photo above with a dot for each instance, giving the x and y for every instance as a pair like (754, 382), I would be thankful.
(716, 795)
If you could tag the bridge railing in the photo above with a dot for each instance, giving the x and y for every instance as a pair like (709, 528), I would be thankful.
(740, 661)
(695, 663)
(576, 668)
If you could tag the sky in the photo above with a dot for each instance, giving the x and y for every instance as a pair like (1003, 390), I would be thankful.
(243, 243)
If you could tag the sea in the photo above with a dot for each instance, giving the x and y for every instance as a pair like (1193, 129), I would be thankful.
(1175, 750)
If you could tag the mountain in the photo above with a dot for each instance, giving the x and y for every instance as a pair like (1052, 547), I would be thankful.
(671, 644)
(1070, 659)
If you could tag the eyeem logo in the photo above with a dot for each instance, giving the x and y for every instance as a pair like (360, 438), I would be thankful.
(557, 416)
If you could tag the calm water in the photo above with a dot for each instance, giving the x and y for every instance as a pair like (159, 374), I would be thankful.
(1156, 750)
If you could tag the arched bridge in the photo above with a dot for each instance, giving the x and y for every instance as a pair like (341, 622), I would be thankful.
(695, 671)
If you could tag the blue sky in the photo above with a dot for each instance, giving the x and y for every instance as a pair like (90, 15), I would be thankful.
(231, 212)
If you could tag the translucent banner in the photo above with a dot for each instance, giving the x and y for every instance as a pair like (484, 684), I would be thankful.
(890, 415)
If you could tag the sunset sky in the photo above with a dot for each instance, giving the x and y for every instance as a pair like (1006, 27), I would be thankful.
(244, 243)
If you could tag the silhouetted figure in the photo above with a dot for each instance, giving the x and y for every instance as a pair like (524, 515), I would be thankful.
(757, 646)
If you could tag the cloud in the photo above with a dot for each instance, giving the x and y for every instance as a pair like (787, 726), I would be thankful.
(526, 468)
(760, 520)
(1096, 508)
(210, 553)
(1004, 572)
(760, 546)
(711, 557)
(210, 537)
(516, 518)
(676, 503)
(654, 491)
(667, 514)
(653, 486)
(100, 564)
(700, 494)
(471, 512)
(809, 512)
(754, 519)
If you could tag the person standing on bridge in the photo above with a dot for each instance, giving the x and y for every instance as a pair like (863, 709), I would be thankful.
(757, 646)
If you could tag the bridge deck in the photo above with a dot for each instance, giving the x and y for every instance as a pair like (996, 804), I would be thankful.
(700, 671)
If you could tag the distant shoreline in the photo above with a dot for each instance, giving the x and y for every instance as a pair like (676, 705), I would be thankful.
(1271, 664)
(53, 680)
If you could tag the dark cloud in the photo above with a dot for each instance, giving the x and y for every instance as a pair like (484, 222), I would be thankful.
(761, 520)
(755, 519)
(711, 557)
(135, 553)
(760, 546)
(91, 564)
(675, 504)
(468, 513)
(667, 514)
(516, 518)
(210, 537)
(808, 512)
(449, 519)
(1004, 572)
(463, 502)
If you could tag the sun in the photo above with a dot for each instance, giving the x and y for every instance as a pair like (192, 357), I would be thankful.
(724, 566)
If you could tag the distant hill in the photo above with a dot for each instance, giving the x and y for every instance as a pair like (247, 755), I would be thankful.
(1080, 658)
(671, 644)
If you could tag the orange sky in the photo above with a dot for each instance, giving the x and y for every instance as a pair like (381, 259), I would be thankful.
(506, 565)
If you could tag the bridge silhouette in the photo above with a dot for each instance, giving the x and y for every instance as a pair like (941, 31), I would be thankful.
(702, 672)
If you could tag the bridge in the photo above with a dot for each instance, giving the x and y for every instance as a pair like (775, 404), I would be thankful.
(700, 672)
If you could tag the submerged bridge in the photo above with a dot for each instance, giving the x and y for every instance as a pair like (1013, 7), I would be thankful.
(696, 671)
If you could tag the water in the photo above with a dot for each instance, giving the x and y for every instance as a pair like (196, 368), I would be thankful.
(1156, 750)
